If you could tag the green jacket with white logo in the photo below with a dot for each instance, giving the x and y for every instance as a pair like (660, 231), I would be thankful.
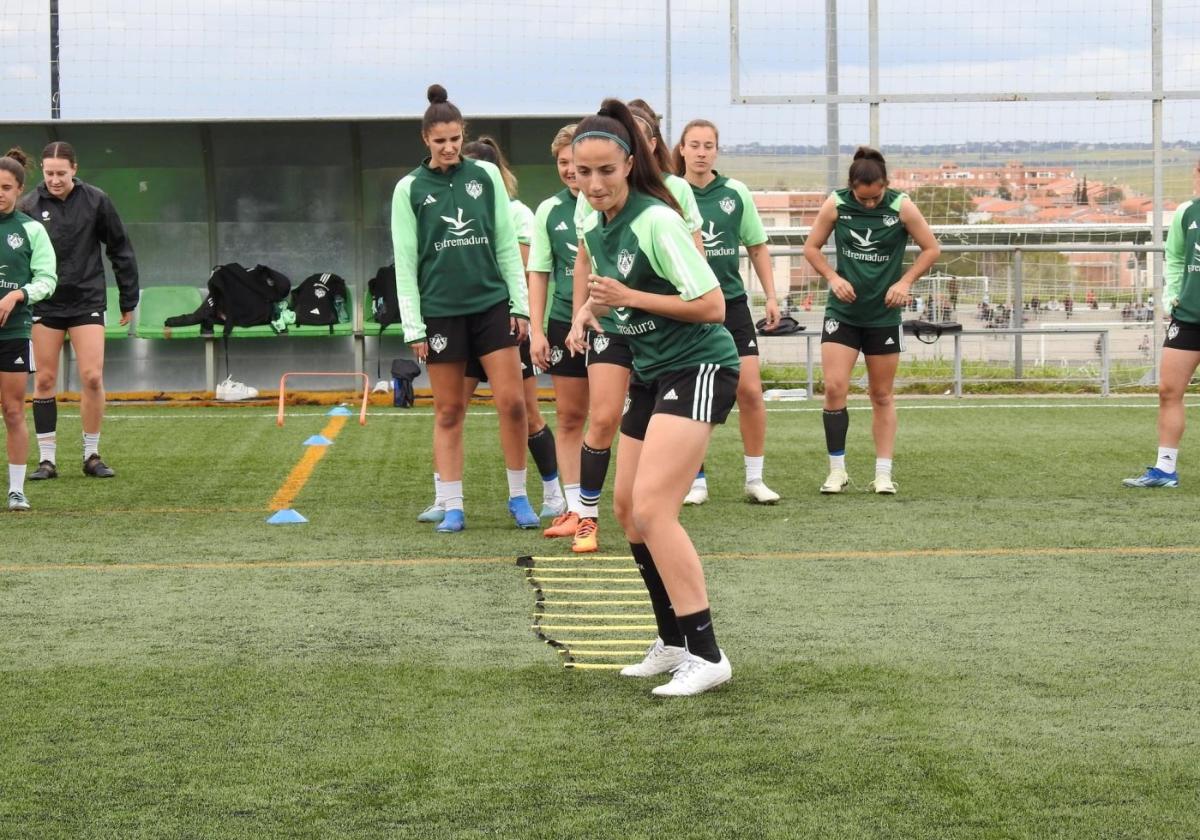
(1181, 277)
(648, 247)
(553, 250)
(870, 255)
(730, 219)
(455, 245)
(27, 263)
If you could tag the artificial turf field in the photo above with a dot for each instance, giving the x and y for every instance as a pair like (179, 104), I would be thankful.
(1008, 648)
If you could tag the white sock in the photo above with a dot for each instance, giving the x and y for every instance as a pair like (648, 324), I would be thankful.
(571, 491)
(453, 499)
(754, 467)
(1167, 459)
(837, 462)
(47, 446)
(91, 445)
(551, 491)
(16, 478)
(700, 481)
(439, 491)
(516, 483)
(883, 466)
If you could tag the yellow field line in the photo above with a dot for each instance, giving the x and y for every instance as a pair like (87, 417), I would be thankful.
(592, 666)
(602, 654)
(592, 615)
(298, 477)
(641, 643)
(803, 556)
(589, 628)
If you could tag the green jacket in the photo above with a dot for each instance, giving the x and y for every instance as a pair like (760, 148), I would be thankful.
(27, 262)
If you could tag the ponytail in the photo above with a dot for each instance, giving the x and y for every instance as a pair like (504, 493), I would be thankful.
(868, 167)
(652, 130)
(440, 110)
(16, 163)
(485, 148)
(614, 121)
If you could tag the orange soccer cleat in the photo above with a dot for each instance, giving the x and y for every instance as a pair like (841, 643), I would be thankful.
(587, 538)
(563, 526)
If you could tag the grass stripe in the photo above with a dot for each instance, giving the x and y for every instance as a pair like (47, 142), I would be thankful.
(298, 477)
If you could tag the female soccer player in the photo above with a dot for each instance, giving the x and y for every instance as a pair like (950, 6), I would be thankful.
(79, 218)
(608, 357)
(27, 277)
(871, 225)
(666, 301)
(461, 290)
(1181, 349)
(541, 441)
(730, 219)
(552, 254)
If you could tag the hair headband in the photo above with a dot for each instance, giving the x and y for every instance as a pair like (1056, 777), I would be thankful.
(607, 135)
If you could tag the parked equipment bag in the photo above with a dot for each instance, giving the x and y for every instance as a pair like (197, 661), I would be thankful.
(927, 332)
(384, 303)
(404, 373)
(238, 297)
(320, 300)
(787, 326)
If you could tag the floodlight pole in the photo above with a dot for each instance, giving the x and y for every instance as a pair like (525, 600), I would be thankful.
(55, 91)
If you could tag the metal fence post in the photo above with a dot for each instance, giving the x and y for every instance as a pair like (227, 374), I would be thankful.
(1104, 364)
(1018, 311)
(957, 365)
(808, 357)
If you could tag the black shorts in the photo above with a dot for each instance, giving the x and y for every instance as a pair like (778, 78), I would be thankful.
(16, 356)
(64, 324)
(740, 324)
(562, 363)
(456, 338)
(1182, 335)
(609, 349)
(872, 341)
(705, 393)
(528, 371)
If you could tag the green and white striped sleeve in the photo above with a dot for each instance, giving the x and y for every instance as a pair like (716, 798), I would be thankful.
(43, 264)
(404, 249)
(541, 254)
(682, 191)
(751, 231)
(508, 255)
(1176, 258)
(669, 246)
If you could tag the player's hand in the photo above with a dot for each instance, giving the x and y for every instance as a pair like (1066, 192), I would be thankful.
(898, 294)
(539, 349)
(519, 327)
(609, 292)
(420, 350)
(8, 303)
(126, 317)
(577, 338)
(772, 314)
(841, 289)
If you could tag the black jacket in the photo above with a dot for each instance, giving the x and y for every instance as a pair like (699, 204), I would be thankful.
(77, 227)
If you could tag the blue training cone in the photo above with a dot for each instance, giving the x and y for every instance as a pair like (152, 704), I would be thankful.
(318, 440)
(286, 517)
(338, 411)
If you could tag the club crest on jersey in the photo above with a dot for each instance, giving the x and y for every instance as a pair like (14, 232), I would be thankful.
(556, 355)
(438, 343)
(1172, 331)
(46, 216)
(319, 292)
(890, 220)
(624, 262)
(15, 240)
(474, 189)
(600, 343)
(728, 205)
(831, 326)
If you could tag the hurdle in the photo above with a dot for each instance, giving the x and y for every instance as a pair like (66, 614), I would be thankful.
(362, 414)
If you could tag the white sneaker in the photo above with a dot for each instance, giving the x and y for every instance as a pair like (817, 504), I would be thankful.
(698, 495)
(883, 485)
(231, 391)
(383, 386)
(659, 659)
(758, 492)
(694, 676)
(553, 507)
(835, 482)
(17, 500)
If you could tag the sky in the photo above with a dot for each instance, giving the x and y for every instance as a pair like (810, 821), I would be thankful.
(183, 59)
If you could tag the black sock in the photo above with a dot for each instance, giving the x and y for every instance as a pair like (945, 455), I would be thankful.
(593, 469)
(541, 447)
(664, 616)
(45, 415)
(836, 425)
(699, 636)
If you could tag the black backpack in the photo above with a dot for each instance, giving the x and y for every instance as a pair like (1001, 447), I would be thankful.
(320, 300)
(238, 297)
(384, 303)
(404, 371)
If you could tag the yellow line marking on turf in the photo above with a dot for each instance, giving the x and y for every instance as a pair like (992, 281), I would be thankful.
(593, 591)
(586, 579)
(592, 615)
(298, 477)
(543, 569)
(602, 654)
(593, 628)
(632, 603)
(642, 643)
(593, 666)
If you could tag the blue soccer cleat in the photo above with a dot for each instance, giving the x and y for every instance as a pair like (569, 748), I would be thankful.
(1153, 477)
(453, 522)
(519, 507)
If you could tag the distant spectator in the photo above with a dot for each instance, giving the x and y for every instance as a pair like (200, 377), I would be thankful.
(1068, 305)
(952, 289)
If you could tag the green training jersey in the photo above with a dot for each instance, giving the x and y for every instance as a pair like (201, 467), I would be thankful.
(522, 218)
(27, 262)
(730, 219)
(1181, 277)
(870, 246)
(648, 247)
(455, 245)
(553, 250)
